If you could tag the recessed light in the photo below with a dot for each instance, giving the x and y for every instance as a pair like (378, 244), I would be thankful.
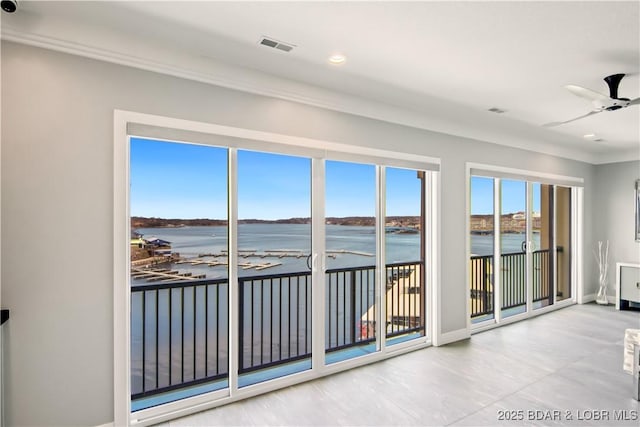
(337, 59)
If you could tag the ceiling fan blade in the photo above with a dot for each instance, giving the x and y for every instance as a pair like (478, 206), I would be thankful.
(635, 101)
(585, 93)
(552, 124)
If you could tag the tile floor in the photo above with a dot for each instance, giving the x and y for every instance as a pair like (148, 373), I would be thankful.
(562, 368)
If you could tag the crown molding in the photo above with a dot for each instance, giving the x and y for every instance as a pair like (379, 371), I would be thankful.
(209, 71)
(630, 155)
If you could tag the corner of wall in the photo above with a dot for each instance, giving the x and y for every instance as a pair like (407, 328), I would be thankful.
(450, 337)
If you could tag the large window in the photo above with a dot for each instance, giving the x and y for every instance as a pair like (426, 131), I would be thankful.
(179, 270)
(351, 302)
(404, 254)
(274, 280)
(520, 246)
(254, 265)
(482, 238)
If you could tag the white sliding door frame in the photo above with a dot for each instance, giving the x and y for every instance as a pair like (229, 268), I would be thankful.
(128, 124)
(497, 173)
(381, 257)
(318, 264)
(234, 297)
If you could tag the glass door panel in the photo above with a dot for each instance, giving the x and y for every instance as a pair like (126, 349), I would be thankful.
(350, 275)
(274, 276)
(404, 254)
(179, 295)
(482, 249)
(542, 257)
(563, 242)
(513, 245)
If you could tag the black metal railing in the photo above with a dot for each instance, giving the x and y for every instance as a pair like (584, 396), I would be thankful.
(513, 271)
(405, 298)
(512, 281)
(179, 335)
(179, 330)
(542, 276)
(481, 285)
(350, 309)
(275, 319)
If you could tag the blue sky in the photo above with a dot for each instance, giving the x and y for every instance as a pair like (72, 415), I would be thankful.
(513, 196)
(173, 180)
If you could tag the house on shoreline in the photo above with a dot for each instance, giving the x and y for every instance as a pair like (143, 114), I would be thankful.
(152, 247)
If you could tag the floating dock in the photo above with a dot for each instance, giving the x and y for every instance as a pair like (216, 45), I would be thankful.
(221, 259)
(163, 275)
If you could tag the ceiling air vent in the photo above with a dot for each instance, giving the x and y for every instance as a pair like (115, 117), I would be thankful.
(271, 42)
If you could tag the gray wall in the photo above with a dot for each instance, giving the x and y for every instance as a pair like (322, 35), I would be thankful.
(614, 218)
(57, 210)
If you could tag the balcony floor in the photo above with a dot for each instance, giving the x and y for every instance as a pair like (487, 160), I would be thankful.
(568, 361)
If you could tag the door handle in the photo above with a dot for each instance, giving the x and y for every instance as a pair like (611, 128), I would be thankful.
(312, 262)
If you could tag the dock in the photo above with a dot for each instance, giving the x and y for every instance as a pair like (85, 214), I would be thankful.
(156, 274)
(163, 275)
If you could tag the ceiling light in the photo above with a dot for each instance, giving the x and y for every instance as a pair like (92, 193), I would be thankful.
(337, 59)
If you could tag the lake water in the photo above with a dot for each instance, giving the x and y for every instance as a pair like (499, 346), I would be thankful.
(274, 239)
(511, 243)
(270, 240)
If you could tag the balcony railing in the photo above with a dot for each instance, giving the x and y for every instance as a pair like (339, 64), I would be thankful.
(512, 280)
(481, 285)
(179, 335)
(275, 319)
(179, 330)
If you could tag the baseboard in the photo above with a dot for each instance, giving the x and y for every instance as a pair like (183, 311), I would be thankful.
(588, 298)
(453, 336)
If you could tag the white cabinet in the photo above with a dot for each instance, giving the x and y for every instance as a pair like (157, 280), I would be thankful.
(627, 285)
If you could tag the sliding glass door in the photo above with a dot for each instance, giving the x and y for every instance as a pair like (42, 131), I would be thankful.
(520, 259)
(542, 252)
(274, 278)
(251, 269)
(482, 245)
(179, 271)
(405, 291)
(563, 243)
(513, 247)
(350, 276)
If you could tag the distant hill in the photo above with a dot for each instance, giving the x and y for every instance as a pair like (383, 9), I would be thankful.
(143, 222)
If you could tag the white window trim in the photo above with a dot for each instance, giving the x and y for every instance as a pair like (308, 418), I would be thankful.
(263, 141)
(498, 173)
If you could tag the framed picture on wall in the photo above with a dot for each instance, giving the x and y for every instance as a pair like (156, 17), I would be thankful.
(638, 210)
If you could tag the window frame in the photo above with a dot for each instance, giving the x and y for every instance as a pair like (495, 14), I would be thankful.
(498, 173)
(128, 124)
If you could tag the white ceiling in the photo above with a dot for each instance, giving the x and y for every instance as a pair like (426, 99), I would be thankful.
(435, 65)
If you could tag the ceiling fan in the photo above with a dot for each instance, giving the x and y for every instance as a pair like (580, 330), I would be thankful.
(600, 102)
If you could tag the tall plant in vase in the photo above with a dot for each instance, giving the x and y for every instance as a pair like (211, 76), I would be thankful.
(602, 257)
